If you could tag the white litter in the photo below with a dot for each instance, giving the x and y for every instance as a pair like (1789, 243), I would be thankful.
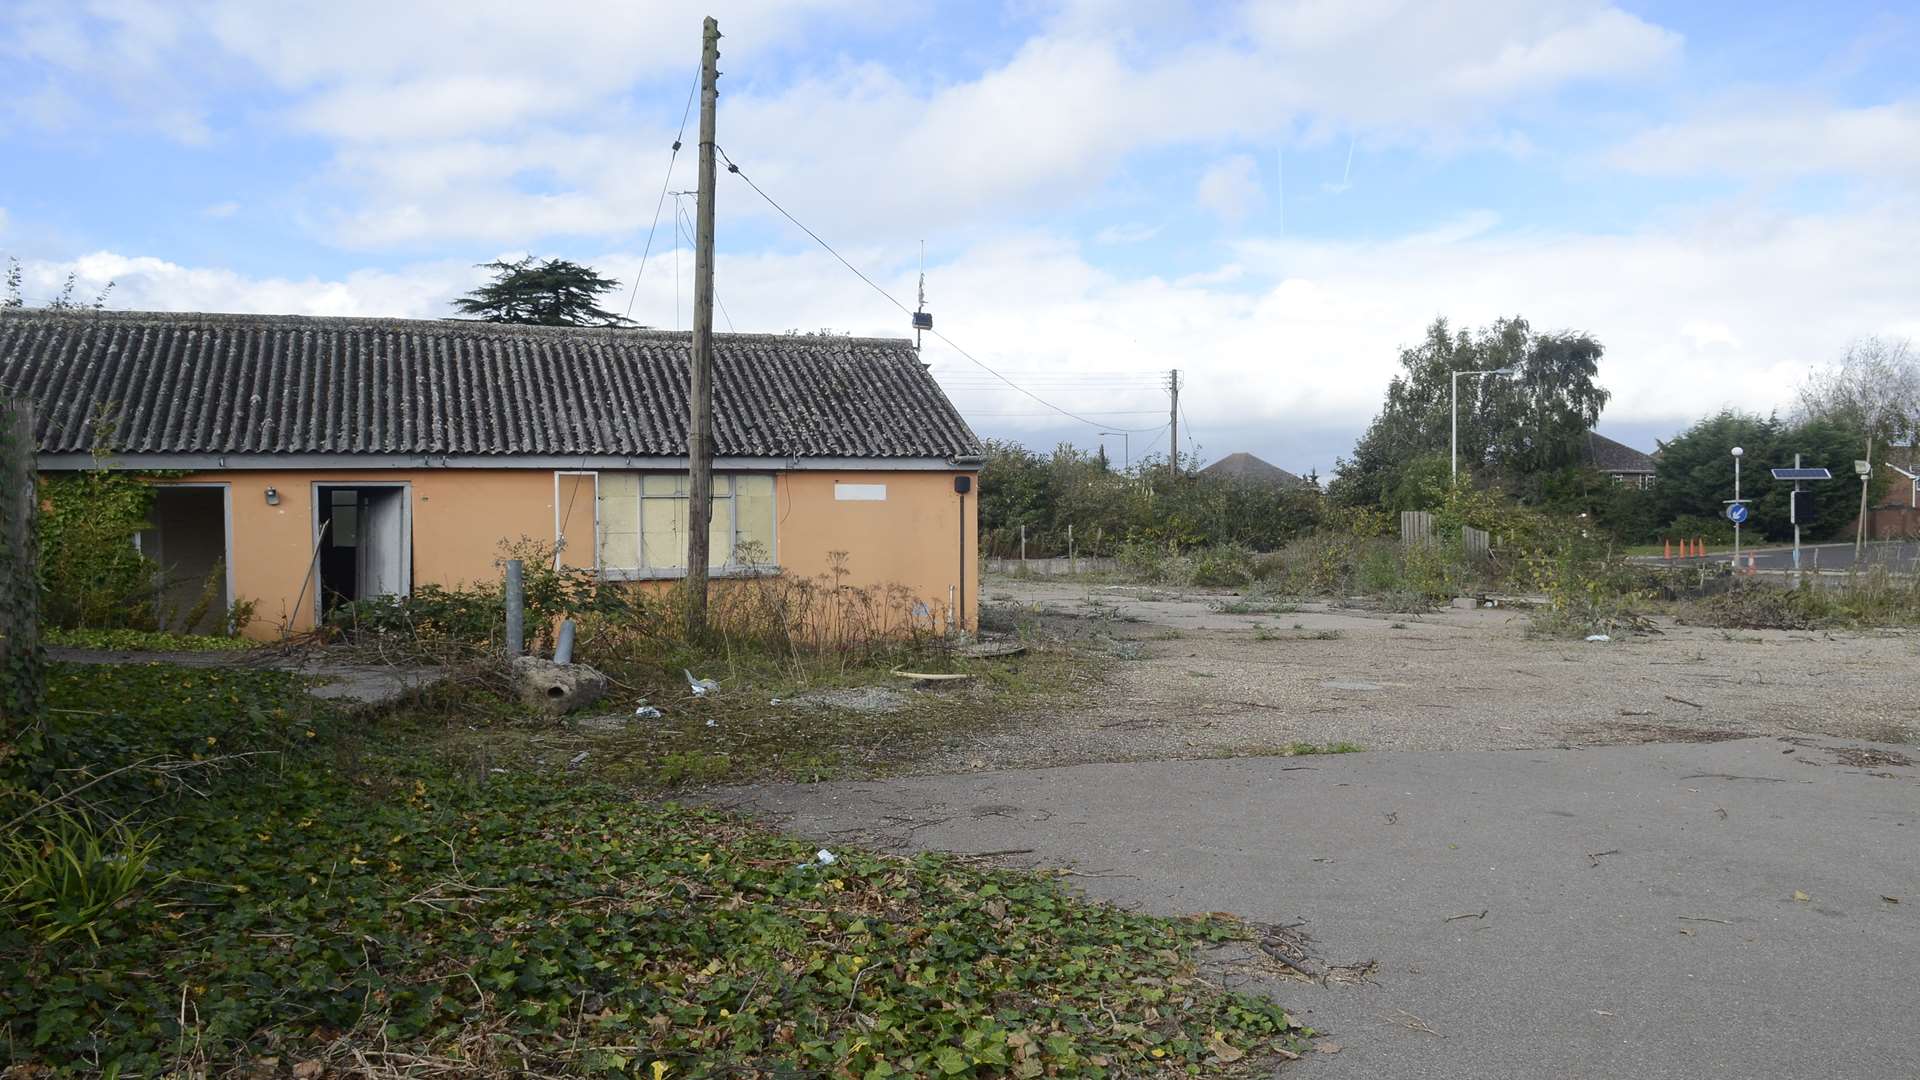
(578, 758)
(823, 857)
(648, 712)
(700, 687)
(712, 723)
(1598, 637)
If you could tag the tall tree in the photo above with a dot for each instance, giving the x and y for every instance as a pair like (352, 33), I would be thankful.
(553, 292)
(1875, 390)
(1520, 429)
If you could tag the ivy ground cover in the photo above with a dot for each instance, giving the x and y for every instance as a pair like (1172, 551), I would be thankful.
(332, 893)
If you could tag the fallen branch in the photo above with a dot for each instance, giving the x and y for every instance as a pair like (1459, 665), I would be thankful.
(1594, 857)
(1481, 914)
(1683, 701)
(1705, 918)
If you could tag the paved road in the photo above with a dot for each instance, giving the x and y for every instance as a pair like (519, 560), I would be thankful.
(1894, 554)
(1641, 911)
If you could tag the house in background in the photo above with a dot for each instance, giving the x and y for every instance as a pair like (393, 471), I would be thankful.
(1246, 468)
(320, 460)
(1618, 460)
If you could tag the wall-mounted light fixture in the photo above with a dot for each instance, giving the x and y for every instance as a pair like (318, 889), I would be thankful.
(273, 496)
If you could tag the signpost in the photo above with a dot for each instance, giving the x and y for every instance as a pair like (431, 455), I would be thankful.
(1736, 505)
(1798, 475)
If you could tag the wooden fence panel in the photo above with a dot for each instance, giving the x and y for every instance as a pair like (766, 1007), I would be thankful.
(1477, 542)
(1416, 526)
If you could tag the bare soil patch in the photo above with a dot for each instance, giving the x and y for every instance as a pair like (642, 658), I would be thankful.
(1187, 676)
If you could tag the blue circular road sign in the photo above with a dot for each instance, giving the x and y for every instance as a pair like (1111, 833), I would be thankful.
(1737, 513)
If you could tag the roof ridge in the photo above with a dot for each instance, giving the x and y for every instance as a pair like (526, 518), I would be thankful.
(479, 326)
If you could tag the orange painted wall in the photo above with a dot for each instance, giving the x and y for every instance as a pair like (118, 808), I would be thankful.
(913, 538)
(461, 517)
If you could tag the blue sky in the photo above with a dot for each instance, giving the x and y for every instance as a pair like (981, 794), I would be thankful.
(1270, 196)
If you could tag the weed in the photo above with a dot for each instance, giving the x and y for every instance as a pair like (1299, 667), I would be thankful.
(690, 767)
(62, 874)
(1324, 635)
(125, 640)
(1303, 749)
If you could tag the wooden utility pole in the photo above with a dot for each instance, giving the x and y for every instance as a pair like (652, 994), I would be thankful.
(1173, 420)
(700, 403)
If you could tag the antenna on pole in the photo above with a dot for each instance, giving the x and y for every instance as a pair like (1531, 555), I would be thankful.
(922, 318)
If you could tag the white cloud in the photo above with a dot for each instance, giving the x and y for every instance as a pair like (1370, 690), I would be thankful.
(456, 120)
(1784, 139)
(221, 210)
(1722, 309)
(1132, 232)
(1231, 189)
(143, 282)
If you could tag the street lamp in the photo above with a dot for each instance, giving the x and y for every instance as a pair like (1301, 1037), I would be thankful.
(1738, 453)
(1453, 472)
(1126, 456)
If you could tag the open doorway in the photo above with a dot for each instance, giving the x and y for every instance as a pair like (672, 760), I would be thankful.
(365, 541)
(188, 542)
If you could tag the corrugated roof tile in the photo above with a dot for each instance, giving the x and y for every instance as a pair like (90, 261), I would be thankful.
(220, 384)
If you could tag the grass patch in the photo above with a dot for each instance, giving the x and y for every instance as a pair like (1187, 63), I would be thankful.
(758, 726)
(343, 891)
(1323, 635)
(125, 640)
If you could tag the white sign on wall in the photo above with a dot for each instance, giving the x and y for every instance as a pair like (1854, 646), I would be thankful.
(860, 492)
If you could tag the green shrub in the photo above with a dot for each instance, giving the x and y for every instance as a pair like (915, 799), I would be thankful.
(124, 640)
(1225, 565)
(91, 573)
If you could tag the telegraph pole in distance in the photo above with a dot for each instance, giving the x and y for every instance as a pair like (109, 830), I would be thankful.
(700, 358)
(1173, 420)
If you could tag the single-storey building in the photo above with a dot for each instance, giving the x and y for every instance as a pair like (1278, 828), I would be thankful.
(1245, 468)
(1621, 462)
(320, 460)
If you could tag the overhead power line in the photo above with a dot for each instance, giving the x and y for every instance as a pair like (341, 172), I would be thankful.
(678, 137)
(976, 361)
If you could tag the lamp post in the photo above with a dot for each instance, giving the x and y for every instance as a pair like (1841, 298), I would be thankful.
(1126, 455)
(1453, 458)
(1738, 453)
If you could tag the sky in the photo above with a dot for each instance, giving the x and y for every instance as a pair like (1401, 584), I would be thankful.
(1271, 197)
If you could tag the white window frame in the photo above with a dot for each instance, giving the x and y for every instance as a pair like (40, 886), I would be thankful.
(671, 573)
(559, 514)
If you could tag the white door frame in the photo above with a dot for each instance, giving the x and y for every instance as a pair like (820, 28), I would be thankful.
(559, 517)
(226, 527)
(313, 534)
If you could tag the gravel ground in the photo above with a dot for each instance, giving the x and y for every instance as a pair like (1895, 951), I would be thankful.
(1191, 681)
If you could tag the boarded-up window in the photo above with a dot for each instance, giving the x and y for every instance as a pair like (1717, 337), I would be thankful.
(643, 522)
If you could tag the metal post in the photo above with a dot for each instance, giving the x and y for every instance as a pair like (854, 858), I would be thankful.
(516, 607)
(1736, 502)
(1453, 415)
(563, 647)
(1793, 514)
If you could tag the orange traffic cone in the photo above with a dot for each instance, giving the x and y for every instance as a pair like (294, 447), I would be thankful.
(1669, 554)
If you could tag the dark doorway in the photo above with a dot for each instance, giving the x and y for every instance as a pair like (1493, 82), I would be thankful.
(188, 544)
(365, 543)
